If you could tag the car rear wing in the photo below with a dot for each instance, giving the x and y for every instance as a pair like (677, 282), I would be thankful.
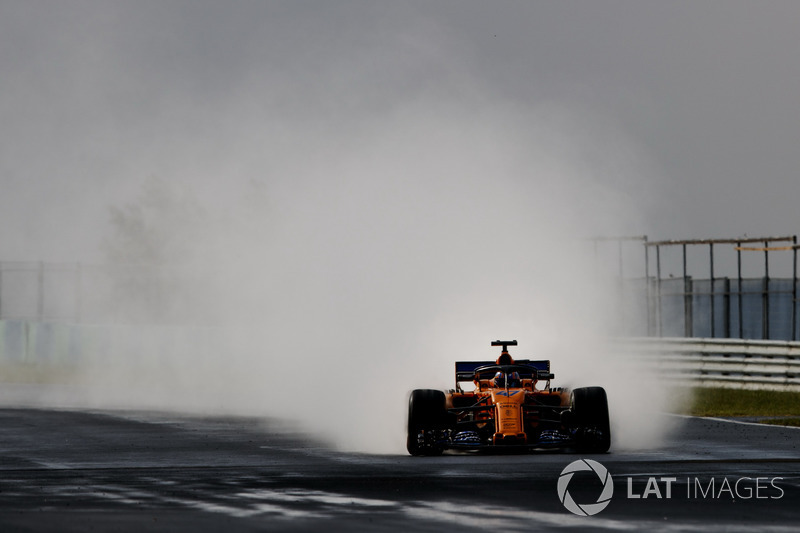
(535, 370)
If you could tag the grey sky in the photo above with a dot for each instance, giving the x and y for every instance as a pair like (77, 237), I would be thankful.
(685, 110)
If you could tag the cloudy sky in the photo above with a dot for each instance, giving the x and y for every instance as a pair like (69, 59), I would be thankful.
(681, 114)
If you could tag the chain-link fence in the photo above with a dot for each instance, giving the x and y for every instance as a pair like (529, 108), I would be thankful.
(675, 303)
(725, 306)
(651, 303)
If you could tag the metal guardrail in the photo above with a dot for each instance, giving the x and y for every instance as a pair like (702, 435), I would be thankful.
(732, 363)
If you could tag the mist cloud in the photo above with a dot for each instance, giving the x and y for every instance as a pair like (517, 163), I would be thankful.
(367, 274)
(427, 175)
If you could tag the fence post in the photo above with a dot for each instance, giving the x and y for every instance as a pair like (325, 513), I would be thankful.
(647, 287)
(726, 308)
(658, 291)
(739, 274)
(712, 290)
(688, 318)
(688, 311)
(765, 296)
(794, 288)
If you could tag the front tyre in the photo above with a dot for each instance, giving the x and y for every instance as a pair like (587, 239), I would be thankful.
(427, 417)
(590, 410)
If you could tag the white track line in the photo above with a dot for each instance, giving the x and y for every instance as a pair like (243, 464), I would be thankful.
(742, 422)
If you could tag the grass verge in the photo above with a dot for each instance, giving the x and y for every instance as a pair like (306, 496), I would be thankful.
(738, 402)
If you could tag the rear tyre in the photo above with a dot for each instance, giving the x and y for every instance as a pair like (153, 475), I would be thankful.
(590, 410)
(427, 417)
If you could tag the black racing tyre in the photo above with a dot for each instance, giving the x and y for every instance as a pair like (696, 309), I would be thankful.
(590, 410)
(427, 412)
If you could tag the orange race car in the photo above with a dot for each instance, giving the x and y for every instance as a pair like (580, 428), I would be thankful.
(512, 407)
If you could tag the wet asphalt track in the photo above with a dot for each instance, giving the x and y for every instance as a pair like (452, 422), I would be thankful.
(63, 470)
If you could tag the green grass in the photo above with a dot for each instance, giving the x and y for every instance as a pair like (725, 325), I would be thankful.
(788, 421)
(738, 402)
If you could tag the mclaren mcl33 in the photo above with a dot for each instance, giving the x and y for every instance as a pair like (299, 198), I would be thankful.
(512, 407)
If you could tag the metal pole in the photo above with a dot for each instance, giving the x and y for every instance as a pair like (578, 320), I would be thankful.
(794, 288)
(739, 266)
(765, 296)
(688, 295)
(658, 291)
(713, 320)
(647, 285)
(1, 291)
(621, 278)
(726, 308)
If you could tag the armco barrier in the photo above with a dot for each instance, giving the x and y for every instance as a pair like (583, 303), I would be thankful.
(709, 362)
(733, 363)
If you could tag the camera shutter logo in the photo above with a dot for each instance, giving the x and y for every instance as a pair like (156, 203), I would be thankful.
(585, 509)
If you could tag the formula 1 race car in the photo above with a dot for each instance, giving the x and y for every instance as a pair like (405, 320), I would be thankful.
(512, 407)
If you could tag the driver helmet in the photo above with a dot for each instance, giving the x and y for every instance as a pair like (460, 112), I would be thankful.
(503, 380)
(499, 380)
